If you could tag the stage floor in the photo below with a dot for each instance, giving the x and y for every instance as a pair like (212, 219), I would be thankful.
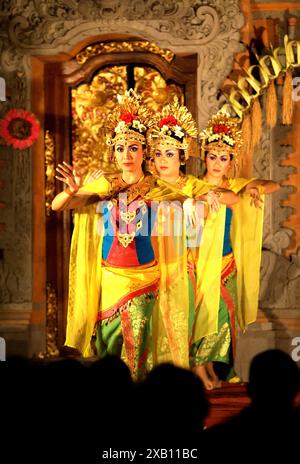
(228, 401)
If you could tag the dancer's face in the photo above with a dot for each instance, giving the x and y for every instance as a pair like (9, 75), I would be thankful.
(167, 161)
(129, 156)
(217, 164)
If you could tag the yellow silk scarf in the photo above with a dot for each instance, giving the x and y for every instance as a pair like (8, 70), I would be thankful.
(84, 279)
(121, 283)
(208, 262)
(246, 238)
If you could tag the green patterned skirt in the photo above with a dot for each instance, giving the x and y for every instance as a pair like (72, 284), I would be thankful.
(128, 334)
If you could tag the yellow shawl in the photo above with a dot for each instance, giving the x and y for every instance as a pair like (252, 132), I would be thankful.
(246, 240)
(208, 261)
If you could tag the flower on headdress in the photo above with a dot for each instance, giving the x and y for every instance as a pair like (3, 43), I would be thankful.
(168, 121)
(165, 129)
(220, 128)
(120, 127)
(178, 132)
(127, 117)
(138, 125)
(213, 137)
(228, 140)
(224, 137)
(19, 128)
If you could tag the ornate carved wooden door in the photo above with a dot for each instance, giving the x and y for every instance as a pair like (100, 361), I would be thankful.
(79, 93)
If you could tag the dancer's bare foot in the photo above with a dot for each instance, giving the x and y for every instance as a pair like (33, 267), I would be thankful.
(214, 378)
(217, 383)
(202, 373)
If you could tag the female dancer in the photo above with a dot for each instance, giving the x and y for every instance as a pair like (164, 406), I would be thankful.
(114, 274)
(242, 240)
(170, 141)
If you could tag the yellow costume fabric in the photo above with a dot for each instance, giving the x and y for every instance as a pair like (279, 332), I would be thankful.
(208, 275)
(122, 282)
(208, 260)
(84, 280)
(246, 240)
(170, 328)
(85, 272)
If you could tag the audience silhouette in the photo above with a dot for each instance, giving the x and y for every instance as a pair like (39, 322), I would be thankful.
(175, 407)
(265, 429)
(74, 410)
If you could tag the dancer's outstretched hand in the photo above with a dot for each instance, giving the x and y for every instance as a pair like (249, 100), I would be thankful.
(69, 176)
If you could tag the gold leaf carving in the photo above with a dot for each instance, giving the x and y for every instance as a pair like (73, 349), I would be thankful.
(51, 324)
(49, 171)
(153, 88)
(119, 47)
(91, 104)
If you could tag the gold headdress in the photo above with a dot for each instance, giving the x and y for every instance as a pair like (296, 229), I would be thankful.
(222, 134)
(129, 121)
(174, 126)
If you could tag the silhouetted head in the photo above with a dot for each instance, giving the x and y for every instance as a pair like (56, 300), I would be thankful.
(111, 370)
(177, 397)
(273, 380)
(65, 364)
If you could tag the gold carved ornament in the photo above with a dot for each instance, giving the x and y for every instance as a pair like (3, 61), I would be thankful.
(91, 105)
(51, 324)
(49, 171)
(121, 47)
(154, 90)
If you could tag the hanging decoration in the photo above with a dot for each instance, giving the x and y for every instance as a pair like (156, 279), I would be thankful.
(244, 97)
(19, 128)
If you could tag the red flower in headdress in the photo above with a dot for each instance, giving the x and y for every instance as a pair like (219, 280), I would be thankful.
(168, 121)
(220, 129)
(127, 117)
(19, 128)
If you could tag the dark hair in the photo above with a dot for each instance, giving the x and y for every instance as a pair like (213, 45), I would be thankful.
(182, 160)
(134, 129)
(181, 155)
